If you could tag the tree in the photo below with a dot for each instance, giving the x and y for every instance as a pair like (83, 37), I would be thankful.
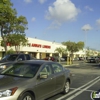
(16, 40)
(99, 54)
(9, 21)
(11, 51)
(73, 47)
(60, 50)
(88, 52)
(7, 15)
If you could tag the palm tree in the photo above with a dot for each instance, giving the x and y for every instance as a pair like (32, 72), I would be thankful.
(60, 50)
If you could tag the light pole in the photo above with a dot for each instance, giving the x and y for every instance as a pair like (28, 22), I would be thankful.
(86, 30)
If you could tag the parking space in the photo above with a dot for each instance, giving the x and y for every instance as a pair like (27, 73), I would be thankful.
(81, 88)
(85, 81)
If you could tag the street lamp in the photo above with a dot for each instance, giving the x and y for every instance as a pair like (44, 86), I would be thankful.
(86, 30)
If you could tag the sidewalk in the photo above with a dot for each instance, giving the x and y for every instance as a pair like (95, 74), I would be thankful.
(71, 65)
(65, 64)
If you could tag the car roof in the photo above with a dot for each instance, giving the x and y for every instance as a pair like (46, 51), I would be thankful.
(16, 54)
(34, 61)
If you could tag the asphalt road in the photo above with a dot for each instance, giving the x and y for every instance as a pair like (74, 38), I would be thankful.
(86, 79)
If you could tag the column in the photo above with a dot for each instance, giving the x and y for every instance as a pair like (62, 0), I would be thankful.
(50, 54)
(38, 55)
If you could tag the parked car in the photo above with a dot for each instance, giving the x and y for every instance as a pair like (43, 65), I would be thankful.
(11, 58)
(54, 59)
(65, 58)
(16, 57)
(34, 80)
(93, 60)
(50, 58)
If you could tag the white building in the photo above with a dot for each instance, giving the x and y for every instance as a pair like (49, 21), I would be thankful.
(38, 48)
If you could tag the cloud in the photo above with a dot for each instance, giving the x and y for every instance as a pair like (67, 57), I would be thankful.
(98, 22)
(62, 11)
(28, 1)
(54, 25)
(33, 19)
(86, 27)
(42, 1)
(88, 8)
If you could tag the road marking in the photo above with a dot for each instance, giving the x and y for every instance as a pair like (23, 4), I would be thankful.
(76, 94)
(85, 90)
(78, 88)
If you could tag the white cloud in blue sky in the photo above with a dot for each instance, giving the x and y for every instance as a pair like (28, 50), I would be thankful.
(33, 19)
(61, 20)
(28, 1)
(98, 21)
(54, 25)
(42, 1)
(62, 11)
(89, 8)
(86, 27)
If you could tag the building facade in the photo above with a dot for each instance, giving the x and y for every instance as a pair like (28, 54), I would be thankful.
(37, 48)
(41, 49)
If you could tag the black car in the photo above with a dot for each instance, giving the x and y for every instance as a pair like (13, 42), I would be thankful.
(11, 58)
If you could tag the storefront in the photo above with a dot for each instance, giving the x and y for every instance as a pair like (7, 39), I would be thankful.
(37, 48)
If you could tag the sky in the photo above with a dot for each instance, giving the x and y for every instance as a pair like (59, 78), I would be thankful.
(62, 20)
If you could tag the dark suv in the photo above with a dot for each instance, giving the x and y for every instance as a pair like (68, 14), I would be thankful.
(8, 59)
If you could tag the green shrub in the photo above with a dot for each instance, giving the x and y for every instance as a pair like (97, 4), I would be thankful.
(11, 51)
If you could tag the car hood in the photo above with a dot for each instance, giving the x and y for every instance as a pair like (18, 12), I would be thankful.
(10, 81)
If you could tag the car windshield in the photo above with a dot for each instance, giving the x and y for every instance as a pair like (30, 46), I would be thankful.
(21, 70)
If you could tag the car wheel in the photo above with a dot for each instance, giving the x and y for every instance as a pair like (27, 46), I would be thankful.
(27, 96)
(66, 87)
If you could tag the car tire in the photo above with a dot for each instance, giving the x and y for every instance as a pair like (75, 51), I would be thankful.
(66, 87)
(27, 96)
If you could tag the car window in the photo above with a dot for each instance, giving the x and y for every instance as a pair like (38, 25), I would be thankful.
(12, 57)
(57, 68)
(46, 70)
(22, 57)
(27, 57)
(5, 57)
(22, 70)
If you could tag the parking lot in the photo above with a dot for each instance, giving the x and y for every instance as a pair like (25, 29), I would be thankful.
(86, 79)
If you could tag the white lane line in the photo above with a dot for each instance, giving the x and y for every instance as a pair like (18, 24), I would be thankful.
(85, 90)
(78, 88)
(76, 94)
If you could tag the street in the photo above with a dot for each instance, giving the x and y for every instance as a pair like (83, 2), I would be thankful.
(86, 79)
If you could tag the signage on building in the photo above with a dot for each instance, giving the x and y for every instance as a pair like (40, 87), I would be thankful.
(39, 45)
(35, 45)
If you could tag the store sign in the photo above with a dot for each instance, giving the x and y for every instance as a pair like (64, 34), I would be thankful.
(39, 45)
(35, 45)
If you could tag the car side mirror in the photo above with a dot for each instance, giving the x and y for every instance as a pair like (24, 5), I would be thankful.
(43, 76)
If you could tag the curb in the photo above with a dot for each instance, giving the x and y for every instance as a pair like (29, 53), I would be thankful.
(71, 65)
